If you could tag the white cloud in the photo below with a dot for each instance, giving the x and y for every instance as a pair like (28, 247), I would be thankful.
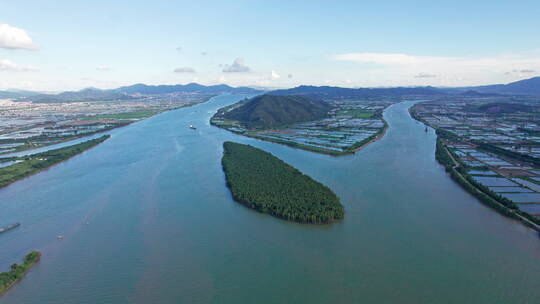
(381, 58)
(238, 66)
(93, 82)
(7, 65)
(289, 76)
(398, 60)
(103, 68)
(274, 75)
(425, 75)
(396, 68)
(524, 71)
(262, 82)
(19, 84)
(184, 70)
(15, 38)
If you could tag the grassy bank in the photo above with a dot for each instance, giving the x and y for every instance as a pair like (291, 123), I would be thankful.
(124, 116)
(40, 161)
(17, 271)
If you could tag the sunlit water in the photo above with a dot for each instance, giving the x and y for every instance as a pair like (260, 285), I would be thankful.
(147, 218)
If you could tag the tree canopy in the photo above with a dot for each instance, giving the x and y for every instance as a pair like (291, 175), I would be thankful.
(261, 181)
(270, 111)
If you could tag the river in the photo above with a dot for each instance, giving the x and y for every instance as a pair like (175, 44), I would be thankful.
(147, 218)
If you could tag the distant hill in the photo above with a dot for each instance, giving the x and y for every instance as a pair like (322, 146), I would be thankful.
(135, 91)
(12, 94)
(191, 87)
(338, 92)
(529, 86)
(523, 87)
(270, 111)
(473, 93)
(89, 94)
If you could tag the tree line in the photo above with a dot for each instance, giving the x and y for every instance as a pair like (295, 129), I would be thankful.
(36, 162)
(17, 271)
(492, 199)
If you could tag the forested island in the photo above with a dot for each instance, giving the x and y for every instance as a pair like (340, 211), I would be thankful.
(263, 182)
(30, 164)
(17, 271)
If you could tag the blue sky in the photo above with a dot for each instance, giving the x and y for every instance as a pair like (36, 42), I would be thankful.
(63, 45)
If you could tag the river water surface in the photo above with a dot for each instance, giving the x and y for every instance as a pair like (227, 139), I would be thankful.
(147, 218)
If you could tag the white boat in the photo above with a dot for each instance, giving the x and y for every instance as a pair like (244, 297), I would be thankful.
(192, 127)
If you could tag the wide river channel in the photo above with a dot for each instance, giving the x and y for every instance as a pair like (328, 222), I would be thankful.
(147, 218)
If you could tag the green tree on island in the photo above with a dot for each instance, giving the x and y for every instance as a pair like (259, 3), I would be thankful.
(261, 181)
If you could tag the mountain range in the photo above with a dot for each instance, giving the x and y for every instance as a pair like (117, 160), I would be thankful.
(339, 92)
(187, 88)
(135, 91)
(14, 94)
(530, 87)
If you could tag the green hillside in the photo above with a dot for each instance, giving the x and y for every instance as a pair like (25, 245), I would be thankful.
(271, 111)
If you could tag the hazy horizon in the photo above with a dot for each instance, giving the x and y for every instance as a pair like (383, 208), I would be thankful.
(258, 87)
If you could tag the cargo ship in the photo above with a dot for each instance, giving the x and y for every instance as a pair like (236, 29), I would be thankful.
(9, 227)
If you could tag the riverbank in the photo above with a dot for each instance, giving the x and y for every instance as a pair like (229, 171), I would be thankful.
(35, 163)
(375, 138)
(458, 171)
(356, 147)
(483, 194)
(100, 122)
(17, 272)
(30, 146)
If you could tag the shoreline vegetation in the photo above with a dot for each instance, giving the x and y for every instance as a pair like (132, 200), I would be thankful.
(30, 146)
(459, 174)
(260, 181)
(118, 120)
(17, 271)
(31, 164)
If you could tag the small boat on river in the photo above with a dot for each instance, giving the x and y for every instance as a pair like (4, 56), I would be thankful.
(9, 227)
(192, 127)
